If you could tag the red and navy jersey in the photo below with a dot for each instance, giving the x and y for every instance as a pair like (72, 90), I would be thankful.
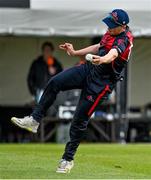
(123, 43)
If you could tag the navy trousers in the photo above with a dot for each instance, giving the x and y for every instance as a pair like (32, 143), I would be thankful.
(78, 77)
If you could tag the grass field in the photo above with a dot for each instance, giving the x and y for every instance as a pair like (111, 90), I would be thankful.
(93, 161)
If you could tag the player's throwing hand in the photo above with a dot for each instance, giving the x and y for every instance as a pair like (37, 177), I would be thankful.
(68, 47)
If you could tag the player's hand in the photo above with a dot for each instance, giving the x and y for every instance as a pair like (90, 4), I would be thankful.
(68, 48)
(96, 60)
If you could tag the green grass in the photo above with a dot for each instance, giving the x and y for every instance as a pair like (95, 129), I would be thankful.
(93, 161)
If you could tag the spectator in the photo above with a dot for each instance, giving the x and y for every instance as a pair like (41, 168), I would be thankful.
(42, 69)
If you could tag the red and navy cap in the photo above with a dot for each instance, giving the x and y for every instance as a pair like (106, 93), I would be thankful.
(117, 17)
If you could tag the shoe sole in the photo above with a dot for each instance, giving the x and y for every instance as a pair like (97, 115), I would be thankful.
(14, 121)
(63, 171)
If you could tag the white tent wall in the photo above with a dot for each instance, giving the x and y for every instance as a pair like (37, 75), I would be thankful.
(16, 56)
(86, 5)
(72, 17)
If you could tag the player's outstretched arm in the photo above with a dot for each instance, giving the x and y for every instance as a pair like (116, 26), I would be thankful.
(82, 52)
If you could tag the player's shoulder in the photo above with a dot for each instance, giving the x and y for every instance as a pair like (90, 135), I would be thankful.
(130, 35)
(128, 32)
(107, 33)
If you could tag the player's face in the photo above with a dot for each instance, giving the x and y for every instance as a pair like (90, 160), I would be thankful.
(116, 31)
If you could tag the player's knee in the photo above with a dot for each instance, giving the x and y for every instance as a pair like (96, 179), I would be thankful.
(54, 85)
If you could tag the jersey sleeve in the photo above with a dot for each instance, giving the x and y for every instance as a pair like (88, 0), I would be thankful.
(120, 44)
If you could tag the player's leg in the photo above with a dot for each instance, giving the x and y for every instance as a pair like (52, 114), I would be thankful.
(85, 108)
(77, 129)
(72, 78)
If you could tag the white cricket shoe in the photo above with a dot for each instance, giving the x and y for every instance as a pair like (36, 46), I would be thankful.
(65, 166)
(27, 123)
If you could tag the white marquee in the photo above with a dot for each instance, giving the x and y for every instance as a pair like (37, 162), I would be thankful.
(72, 17)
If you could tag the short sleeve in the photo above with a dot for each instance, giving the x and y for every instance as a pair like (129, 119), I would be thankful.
(120, 44)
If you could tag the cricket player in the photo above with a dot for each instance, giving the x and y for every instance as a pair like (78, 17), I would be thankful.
(96, 79)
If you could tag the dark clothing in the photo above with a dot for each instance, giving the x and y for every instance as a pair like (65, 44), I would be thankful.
(77, 77)
(123, 43)
(74, 78)
(96, 83)
(39, 75)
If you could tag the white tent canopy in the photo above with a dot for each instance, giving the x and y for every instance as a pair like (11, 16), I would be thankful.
(73, 17)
